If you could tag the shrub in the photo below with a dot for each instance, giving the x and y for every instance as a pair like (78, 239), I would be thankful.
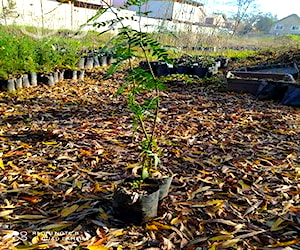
(20, 53)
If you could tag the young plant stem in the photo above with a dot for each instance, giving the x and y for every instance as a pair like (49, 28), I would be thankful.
(143, 127)
(131, 66)
(150, 142)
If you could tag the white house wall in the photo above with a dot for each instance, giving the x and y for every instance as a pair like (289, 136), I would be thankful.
(284, 26)
(187, 13)
(158, 9)
(66, 16)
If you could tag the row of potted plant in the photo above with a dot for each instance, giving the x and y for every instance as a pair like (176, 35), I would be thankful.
(32, 79)
(20, 52)
(198, 66)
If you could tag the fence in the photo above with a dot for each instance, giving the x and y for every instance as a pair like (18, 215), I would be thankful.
(53, 15)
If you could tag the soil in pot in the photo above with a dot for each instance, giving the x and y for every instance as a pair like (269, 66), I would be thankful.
(136, 205)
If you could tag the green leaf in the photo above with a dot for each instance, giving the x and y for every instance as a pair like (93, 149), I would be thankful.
(145, 173)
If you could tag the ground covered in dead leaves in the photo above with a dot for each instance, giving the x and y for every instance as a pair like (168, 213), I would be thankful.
(235, 162)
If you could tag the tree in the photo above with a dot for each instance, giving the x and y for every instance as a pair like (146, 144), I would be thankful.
(7, 10)
(260, 23)
(264, 22)
(243, 6)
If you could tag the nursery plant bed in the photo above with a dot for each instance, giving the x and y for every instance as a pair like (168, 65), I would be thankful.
(289, 68)
(254, 82)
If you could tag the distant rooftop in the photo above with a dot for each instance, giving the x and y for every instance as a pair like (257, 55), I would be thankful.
(188, 2)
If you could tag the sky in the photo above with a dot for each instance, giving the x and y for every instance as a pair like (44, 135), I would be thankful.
(281, 8)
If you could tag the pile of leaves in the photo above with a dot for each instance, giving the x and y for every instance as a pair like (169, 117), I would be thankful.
(63, 149)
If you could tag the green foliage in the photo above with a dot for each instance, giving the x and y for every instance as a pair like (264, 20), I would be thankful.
(20, 53)
(295, 38)
(16, 56)
(136, 184)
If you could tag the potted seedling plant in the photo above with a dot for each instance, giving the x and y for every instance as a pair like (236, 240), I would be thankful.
(136, 198)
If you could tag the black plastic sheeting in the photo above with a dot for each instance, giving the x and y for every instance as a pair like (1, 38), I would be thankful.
(267, 85)
(287, 94)
(292, 96)
(273, 91)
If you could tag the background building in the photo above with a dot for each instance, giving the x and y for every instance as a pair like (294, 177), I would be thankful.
(176, 10)
(287, 25)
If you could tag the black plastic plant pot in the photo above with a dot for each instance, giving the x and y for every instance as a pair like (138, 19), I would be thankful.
(172, 69)
(81, 63)
(161, 69)
(8, 85)
(200, 71)
(75, 75)
(89, 64)
(46, 79)
(50, 80)
(68, 74)
(33, 79)
(110, 59)
(183, 70)
(163, 185)
(19, 83)
(134, 207)
(61, 75)
(103, 61)
(56, 77)
(96, 62)
(224, 63)
(81, 75)
(25, 80)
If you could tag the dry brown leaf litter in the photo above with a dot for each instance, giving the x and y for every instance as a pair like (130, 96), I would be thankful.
(235, 160)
